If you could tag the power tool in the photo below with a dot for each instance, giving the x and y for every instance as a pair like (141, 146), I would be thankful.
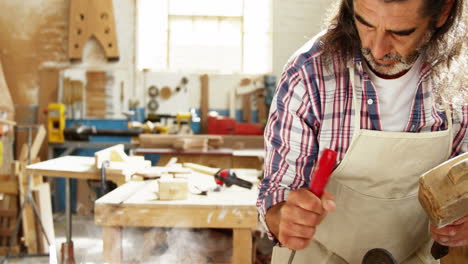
(229, 177)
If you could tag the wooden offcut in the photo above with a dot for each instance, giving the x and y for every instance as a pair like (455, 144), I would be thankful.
(443, 191)
(170, 189)
(90, 18)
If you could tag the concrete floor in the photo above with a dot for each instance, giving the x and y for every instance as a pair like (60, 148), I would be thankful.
(187, 246)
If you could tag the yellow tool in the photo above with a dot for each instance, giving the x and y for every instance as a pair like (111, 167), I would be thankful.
(183, 116)
(56, 122)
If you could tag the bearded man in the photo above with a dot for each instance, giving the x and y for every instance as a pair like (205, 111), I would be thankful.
(365, 88)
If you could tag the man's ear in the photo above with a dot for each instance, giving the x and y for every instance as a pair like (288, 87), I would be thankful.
(445, 13)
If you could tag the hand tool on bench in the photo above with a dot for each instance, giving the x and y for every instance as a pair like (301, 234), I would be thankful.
(443, 193)
(222, 176)
(229, 177)
(320, 177)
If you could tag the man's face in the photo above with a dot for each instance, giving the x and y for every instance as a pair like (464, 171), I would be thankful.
(391, 33)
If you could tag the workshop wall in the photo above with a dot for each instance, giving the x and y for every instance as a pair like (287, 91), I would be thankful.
(295, 22)
(35, 35)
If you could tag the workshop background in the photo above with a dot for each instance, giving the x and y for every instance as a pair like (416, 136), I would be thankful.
(155, 74)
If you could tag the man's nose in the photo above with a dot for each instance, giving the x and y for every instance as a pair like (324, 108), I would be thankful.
(381, 45)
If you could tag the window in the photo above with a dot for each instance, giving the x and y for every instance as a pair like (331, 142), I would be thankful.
(209, 36)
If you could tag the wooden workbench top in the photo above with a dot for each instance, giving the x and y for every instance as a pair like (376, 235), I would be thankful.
(137, 204)
(76, 167)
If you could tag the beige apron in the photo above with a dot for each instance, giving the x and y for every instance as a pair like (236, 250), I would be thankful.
(375, 188)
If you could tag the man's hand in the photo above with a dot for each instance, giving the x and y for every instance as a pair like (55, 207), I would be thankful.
(294, 221)
(454, 235)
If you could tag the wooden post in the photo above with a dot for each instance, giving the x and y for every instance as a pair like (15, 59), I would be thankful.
(112, 243)
(204, 103)
(242, 246)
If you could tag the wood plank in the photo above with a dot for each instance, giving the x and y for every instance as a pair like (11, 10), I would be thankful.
(254, 142)
(44, 203)
(9, 187)
(121, 194)
(38, 141)
(28, 219)
(5, 206)
(71, 167)
(242, 246)
(14, 250)
(204, 102)
(167, 141)
(9, 212)
(112, 244)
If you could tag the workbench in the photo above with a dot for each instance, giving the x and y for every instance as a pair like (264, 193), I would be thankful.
(215, 158)
(72, 167)
(136, 204)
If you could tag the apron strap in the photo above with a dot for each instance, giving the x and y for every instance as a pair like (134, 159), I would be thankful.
(356, 102)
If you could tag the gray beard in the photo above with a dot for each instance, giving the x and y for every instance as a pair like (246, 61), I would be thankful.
(403, 64)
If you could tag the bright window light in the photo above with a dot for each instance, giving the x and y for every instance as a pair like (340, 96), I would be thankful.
(209, 36)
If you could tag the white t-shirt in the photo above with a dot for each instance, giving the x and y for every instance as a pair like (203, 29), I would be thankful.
(396, 97)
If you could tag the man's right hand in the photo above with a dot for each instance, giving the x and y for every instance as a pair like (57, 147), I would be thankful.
(294, 221)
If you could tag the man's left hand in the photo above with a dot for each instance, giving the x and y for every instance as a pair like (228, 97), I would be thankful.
(454, 235)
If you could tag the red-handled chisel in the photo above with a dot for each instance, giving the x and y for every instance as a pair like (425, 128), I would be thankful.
(322, 172)
(319, 180)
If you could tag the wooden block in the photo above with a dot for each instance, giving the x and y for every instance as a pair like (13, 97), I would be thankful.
(114, 153)
(443, 194)
(92, 18)
(172, 189)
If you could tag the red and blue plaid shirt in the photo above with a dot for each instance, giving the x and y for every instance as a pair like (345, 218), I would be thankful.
(312, 110)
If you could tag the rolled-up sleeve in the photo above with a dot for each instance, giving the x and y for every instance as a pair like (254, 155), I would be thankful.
(460, 138)
(291, 145)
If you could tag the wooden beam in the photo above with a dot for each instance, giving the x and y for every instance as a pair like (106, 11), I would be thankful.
(204, 103)
(38, 141)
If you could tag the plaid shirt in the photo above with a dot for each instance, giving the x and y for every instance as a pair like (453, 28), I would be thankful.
(312, 110)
